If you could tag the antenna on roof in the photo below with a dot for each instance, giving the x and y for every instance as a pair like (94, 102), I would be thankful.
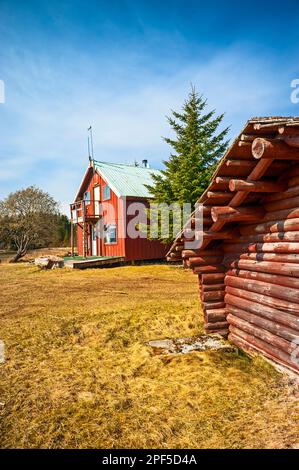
(90, 144)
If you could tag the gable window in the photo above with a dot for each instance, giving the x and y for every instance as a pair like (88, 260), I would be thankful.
(87, 197)
(106, 193)
(110, 233)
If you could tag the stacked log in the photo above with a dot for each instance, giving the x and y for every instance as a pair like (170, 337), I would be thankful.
(262, 279)
(208, 265)
(212, 293)
(248, 263)
(255, 286)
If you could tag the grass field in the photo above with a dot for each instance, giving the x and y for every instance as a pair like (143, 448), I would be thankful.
(6, 256)
(78, 372)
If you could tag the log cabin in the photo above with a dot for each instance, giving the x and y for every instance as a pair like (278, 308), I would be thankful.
(107, 192)
(248, 260)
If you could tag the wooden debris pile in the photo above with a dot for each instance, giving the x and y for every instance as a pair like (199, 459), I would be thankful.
(49, 262)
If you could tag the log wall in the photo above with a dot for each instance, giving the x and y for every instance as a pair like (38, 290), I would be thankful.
(208, 265)
(248, 262)
(262, 279)
(249, 286)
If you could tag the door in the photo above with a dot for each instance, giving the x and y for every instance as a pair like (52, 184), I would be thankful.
(96, 198)
(94, 244)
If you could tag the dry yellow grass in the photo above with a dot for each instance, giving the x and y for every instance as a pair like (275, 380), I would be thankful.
(6, 256)
(79, 374)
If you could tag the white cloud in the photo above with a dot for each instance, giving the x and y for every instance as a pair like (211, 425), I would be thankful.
(50, 103)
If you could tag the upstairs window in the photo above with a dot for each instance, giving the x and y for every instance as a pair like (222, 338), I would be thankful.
(110, 233)
(106, 193)
(87, 197)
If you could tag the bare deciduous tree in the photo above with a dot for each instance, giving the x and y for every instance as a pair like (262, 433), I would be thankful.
(28, 218)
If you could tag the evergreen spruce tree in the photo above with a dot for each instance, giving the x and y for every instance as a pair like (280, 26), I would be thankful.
(197, 147)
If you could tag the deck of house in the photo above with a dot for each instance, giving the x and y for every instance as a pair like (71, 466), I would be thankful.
(80, 262)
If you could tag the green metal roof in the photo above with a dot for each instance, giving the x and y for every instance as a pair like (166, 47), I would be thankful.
(127, 180)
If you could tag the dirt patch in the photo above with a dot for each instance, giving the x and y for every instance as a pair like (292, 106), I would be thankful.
(212, 342)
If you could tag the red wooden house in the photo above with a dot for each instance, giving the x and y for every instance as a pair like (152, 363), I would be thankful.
(107, 192)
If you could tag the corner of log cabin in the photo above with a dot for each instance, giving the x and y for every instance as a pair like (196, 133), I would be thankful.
(248, 262)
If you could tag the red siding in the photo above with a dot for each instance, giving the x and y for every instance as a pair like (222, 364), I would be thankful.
(142, 248)
(113, 212)
(110, 212)
(79, 240)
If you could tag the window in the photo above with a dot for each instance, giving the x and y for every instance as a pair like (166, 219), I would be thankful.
(87, 197)
(110, 233)
(106, 192)
(74, 215)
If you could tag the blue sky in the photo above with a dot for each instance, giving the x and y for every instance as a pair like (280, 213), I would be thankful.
(121, 66)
